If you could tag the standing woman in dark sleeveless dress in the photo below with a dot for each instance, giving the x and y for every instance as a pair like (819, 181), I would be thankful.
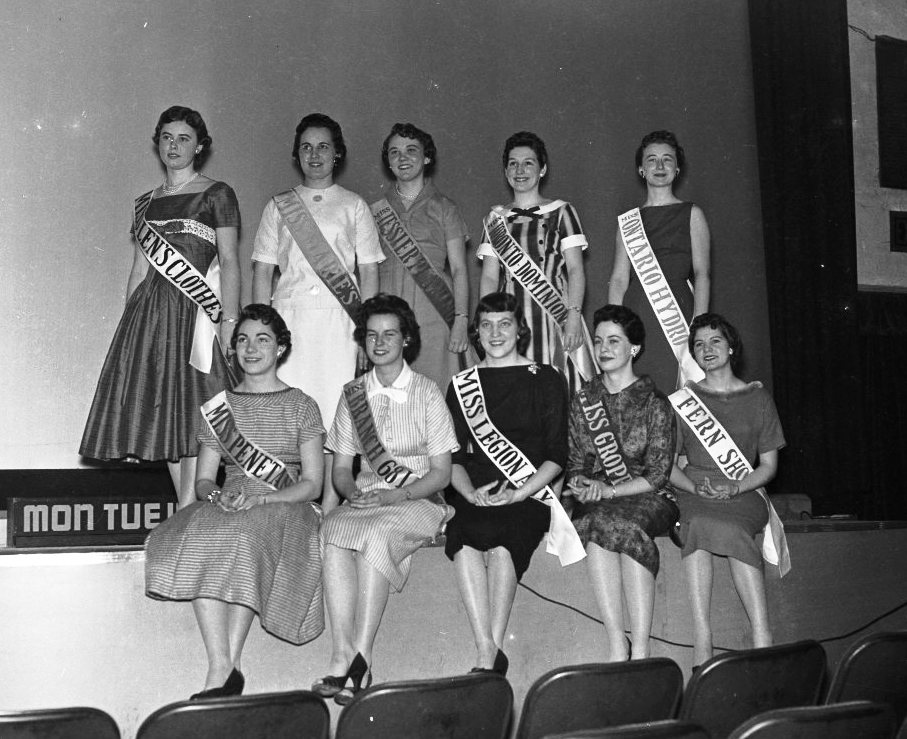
(679, 235)
(146, 403)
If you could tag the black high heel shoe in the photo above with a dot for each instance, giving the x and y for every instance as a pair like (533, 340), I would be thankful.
(359, 669)
(501, 663)
(233, 686)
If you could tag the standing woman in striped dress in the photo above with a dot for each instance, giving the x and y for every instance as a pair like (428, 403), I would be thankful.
(247, 547)
(398, 421)
(550, 232)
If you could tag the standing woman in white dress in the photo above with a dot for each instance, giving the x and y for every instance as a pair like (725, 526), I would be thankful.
(314, 314)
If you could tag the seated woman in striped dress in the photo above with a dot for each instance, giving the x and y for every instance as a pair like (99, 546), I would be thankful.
(250, 546)
(397, 420)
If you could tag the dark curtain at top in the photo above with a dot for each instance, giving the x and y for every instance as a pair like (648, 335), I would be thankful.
(803, 116)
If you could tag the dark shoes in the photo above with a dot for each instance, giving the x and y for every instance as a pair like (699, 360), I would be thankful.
(234, 686)
(335, 685)
(501, 663)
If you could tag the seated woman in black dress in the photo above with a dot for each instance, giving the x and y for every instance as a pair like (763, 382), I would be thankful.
(498, 525)
(251, 546)
(622, 439)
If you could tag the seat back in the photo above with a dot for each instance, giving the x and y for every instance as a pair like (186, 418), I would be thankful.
(874, 669)
(297, 714)
(58, 723)
(599, 695)
(668, 729)
(730, 688)
(837, 721)
(474, 706)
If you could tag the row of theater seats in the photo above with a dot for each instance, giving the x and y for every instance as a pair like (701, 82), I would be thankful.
(754, 694)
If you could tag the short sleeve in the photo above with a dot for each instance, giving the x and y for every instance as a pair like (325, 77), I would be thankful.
(485, 248)
(265, 246)
(308, 418)
(442, 438)
(368, 246)
(570, 230)
(454, 225)
(771, 436)
(341, 438)
(206, 436)
(224, 206)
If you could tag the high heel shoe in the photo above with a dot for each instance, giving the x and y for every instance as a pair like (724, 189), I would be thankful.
(233, 686)
(501, 663)
(359, 669)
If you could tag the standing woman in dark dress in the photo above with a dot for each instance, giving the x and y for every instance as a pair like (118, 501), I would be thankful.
(622, 437)
(679, 235)
(167, 355)
(498, 526)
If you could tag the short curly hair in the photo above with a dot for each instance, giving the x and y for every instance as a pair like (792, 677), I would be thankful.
(625, 318)
(384, 304)
(409, 131)
(500, 302)
(526, 138)
(269, 317)
(191, 118)
(720, 323)
(661, 137)
(320, 120)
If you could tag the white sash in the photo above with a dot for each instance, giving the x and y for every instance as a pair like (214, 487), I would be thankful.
(659, 293)
(245, 454)
(203, 291)
(730, 460)
(562, 537)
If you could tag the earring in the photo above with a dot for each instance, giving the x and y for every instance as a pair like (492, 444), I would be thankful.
(642, 174)
(730, 351)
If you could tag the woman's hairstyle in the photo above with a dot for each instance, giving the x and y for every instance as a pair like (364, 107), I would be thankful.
(625, 318)
(409, 131)
(269, 317)
(383, 304)
(320, 120)
(526, 138)
(500, 303)
(720, 323)
(661, 137)
(190, 118)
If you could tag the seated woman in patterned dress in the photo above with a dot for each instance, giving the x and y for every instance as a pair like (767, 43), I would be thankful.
(622, 438)
(498, 526)
(396, 419)
(252, 546)
(720, 516)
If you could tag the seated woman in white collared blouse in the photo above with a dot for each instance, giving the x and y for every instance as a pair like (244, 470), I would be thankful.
(398, 421)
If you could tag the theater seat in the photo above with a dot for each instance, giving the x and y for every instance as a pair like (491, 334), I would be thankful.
(297, 714)
(58, 723)
(730, 688)
(667, 729)
(474, 706)
(599, 695)
(874, 669)
(854, 720)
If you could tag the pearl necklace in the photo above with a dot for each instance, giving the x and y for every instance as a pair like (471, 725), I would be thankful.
(173, 189)
(407, 197)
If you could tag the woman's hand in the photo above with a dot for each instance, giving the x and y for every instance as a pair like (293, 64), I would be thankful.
(718, 491)
(361, 360)
(458, 339)
(225, 332)
(505, 495)
(573, 333)
(371, 499)
(589, 491)
(482, 496)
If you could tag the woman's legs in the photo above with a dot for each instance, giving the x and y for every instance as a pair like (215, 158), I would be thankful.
(750, 585)
(224, 627)
(605, 576)
(639, 593)
(698, 569)
(341, 585)
(374, 589)
(502, 584)
(182, 474)
(472, 579)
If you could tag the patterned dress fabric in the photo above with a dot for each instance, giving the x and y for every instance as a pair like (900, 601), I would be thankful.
(668, 229)
(267, 558)
(544, 232)
(412, 431)
(728, 527)
(528, 404)
(644, 425)
(432, 219)
(323, 358)
(147, 399)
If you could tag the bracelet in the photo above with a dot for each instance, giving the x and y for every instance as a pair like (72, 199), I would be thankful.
(409, 494)
(214, 496)
(613, 493)
(575, 307)
(229, 320)
(461, 315)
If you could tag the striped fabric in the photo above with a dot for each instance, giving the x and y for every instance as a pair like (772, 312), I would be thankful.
(412, 432)
(268, 558)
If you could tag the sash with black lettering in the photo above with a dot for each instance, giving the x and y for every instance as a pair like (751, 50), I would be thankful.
(658, 292)
(730, 460)
(598, 424)
(379, 459)
(318, 251)
(245, 454)
(533, 280)
(513, 464)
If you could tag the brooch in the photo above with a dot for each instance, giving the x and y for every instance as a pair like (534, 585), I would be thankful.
(533, 368)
